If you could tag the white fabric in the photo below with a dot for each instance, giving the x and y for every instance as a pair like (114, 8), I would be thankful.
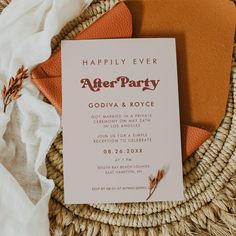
(29, 125)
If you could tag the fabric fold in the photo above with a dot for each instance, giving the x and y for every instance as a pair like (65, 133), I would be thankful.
(29, 126)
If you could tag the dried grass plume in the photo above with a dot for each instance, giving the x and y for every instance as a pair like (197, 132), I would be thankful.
(12, 92)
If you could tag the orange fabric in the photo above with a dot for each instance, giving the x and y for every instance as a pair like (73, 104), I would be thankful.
(204, 32)
(117, 23)
(192, 138)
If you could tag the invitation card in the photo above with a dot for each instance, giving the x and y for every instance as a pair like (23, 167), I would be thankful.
(121, 126)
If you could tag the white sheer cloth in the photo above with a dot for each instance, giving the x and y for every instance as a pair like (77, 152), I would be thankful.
(30, 125)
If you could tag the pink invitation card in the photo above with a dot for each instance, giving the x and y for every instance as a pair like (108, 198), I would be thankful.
(121, 127)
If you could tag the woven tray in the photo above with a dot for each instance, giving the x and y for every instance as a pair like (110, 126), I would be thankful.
(209, 179)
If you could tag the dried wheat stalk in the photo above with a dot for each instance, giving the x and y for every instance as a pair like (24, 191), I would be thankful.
(154, 181)
(12, 92)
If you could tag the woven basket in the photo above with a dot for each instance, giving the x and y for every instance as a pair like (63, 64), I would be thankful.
(209, 179)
